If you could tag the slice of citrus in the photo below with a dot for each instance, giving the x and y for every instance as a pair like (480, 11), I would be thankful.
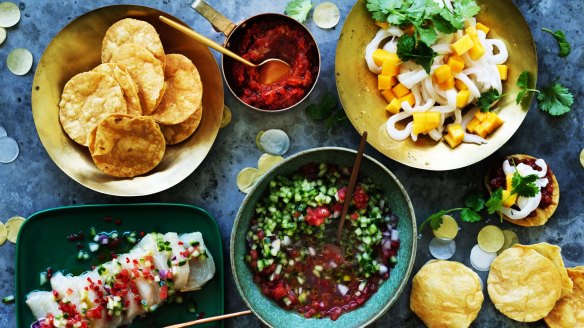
(448, 229)
(442, 249)
(491, 238)
(481, 260)
(326, 15)
(8, 150)
(267, 161)
(582, 158)
(3, 233)
(246, 178)
(510, 240)
(19, 61)
(226, 119)
(273, 141)
(12, 227)
(2, 35)
(9, 14)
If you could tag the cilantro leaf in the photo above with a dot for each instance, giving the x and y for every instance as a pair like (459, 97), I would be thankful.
(555, 99)
(495, 202)
(298, 9)
(524, 185)
(560, 37)
(522, 83)
(335, 119)
(487, 98)
(324, 109)
(466, 8)
(419, 52)
(434, 220)
(468, 215)
(475, 201)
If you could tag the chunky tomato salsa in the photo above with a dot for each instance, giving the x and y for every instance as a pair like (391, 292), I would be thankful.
(292, 249)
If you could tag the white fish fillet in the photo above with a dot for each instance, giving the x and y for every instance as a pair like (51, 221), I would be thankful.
(180, 272)
(41, 303)
(201, 270)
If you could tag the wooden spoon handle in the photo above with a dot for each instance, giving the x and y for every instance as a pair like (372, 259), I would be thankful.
(210, 319)
(204, 40)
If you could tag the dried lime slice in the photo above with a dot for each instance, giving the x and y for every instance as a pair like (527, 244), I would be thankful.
(3, 233)
(8, 150)
(246, 178)
(582, 158)
(267, 161)
(326, 15)
(12, 227)
(491, 238)
(9, 14)
(3, 132)
(480, 259)
(226, 119)
(19, 61)
(510, 240)
(2, 35)
(448, 229)
(273, 141)
(442, 249)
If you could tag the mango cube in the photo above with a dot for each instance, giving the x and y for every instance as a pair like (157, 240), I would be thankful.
(448, 84)
(462, 98)
(460, 85)
(463, 45)
(394, 106)
(390, 65)
(509, 181)
(480, 131)
(383, 25)
(481, 116)
(383, 82)
(379, 55)
(473, 124)
(400, 90)
(388, 95)
(450, 141)
(425, 121)
(492, 122)
(508, 199)
(471, 30)
(409, 98)
(456, 64)
(482, 27)
(477, 51)
(455, 135)
(503, 71)
(443, 73)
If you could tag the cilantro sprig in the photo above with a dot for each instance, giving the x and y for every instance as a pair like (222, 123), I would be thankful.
(408, 48)
(474, 203)
(523, 186)
(327, 110)
(563, 43)
(298, 9)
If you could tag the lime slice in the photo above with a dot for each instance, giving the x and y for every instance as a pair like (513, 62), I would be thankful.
(2, 35)
(491, 238)
(226, 119)
(510, 240)
(448, 229)
(326, 15)
(9, 14)
(3, 132)
(267, 161)
(481, 260)
(273, 141)
(3, 233)
(19, 61)
(8, 150)
(582, 158)
(12, 227)
(246, 178)
(442, 249)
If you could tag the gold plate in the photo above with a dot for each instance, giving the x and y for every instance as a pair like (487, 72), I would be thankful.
(365, 106)
(77, 48)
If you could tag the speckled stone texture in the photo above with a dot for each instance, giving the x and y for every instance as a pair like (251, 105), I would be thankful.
(33, 182)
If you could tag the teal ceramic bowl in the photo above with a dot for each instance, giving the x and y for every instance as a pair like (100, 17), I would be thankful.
(267, 310)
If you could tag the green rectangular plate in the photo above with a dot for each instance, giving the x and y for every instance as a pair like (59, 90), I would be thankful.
(42, 243)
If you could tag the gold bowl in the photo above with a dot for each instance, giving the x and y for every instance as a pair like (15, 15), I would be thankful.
(77, 48)
(365, 106)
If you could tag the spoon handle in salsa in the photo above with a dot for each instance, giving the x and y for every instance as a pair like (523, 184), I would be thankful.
(352, 183)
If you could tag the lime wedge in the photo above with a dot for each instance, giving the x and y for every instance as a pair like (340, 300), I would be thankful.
(8, 150)
(12, 227)
(442, 249)
(481, 260)
(226, 119)
(2, 35)
(582, 158)
(326, 15)
(510, 240)
(491, 238)
(267, 161)
(246, 178)
(3, 233)
(19, 61)
(9, 14)
(448, 229)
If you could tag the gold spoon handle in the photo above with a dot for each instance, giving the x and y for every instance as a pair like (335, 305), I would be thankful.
(211, 319)
(204, 40)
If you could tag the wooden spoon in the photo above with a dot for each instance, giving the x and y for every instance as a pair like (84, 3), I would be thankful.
(271, 70)
(210, 319)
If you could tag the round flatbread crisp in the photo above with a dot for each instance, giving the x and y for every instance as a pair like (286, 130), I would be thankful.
(129, 87)
(146, 71)
(176, 133)
(553, 253)
(523, 284)
(88, 98)
(184, 91)
(569, 311)
(131, 30)
(446, 294)
(126, 146)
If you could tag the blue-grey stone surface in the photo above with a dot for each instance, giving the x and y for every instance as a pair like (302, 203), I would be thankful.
(33, 182)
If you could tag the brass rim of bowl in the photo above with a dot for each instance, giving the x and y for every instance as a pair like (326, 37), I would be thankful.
(410, 207)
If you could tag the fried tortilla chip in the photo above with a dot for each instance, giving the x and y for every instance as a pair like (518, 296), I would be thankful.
(147, 72)
(446, 294)
(553, 253)
(126, 146)
(130, 30)
(523, 284)
(121, 75)
(184, 91)
(176, 133)
(569, 311)
(88, 98)
(542, 215)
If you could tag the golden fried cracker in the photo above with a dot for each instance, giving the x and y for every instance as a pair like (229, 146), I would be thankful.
(446, 294)
(127, 146)
(569, 311)
(88, 98)
(184, 91)
(121, 75)
(130, 30)
(147, 72)
(552, 253)
(523, 284)
(176, 133)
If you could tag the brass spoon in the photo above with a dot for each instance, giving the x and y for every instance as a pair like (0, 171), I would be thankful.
(271, 70)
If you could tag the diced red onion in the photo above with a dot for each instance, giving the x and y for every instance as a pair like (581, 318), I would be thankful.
(395, 235)
(162, 274)
(382, 269)
(386, 244)
(343, 289)
(311, 251)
